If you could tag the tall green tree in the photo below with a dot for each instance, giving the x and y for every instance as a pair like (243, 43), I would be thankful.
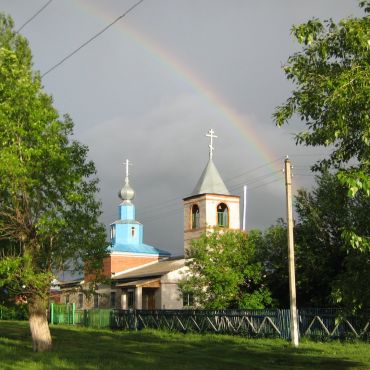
(329, 272)
(331, 76)
(223, 272)
(325, 260)
(272, 251)
(48, 210)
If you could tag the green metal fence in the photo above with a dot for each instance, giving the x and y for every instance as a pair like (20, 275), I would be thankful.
(314, 323)
(69, 315)
(62, 313)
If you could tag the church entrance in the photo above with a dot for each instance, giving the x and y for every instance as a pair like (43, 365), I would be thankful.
(149, 298)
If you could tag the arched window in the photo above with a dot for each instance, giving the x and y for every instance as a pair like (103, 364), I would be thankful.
(222, 215)
(194, 217)
(133, 231)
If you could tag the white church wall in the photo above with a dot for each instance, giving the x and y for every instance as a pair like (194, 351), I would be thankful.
(158, 299)
(170, 294)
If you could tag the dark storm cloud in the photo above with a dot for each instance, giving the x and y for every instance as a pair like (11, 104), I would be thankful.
(127, 101)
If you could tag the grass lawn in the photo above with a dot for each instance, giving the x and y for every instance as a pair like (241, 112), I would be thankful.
(81, 348)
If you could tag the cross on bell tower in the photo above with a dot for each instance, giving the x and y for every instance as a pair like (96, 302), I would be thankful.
(211, 136)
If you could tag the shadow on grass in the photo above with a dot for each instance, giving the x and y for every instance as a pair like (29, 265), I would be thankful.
(79, 348)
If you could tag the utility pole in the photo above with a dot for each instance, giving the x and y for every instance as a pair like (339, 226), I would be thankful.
(292, 287)
(244, 207)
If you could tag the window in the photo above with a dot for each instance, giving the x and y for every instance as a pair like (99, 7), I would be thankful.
(130, 299)
(113, 299)
(67, 298)
(133, 230)
(194, 217)
(80, 300)
(188, 300)
(222, 215)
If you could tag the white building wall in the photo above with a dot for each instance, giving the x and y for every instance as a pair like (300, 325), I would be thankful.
(170, 294)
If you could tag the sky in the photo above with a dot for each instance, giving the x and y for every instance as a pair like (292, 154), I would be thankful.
(150, 87)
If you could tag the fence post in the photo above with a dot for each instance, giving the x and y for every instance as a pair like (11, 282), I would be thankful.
(132, 319)
(51, 313)
(73, 313)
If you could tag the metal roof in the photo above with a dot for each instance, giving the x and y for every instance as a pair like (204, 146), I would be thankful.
(138, 283)
(156, 269)
(139, 249)
(134, 222)
(210, 181)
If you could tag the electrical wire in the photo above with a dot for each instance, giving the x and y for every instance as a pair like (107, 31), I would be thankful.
(159, 216)
(92, 38)
(258, 167)
(34, 16)
(153, 212)
(175, 200)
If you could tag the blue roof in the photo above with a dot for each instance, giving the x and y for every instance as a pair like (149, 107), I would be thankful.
(138, 248)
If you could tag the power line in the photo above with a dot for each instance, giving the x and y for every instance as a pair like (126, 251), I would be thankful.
(254, 180)
(168, 202)
(34, 16)
(158, 217)
(308, 155)
(92, 38)
(256, 168)
(264, 184)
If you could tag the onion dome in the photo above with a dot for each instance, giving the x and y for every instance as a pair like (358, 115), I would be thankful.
(127, 193)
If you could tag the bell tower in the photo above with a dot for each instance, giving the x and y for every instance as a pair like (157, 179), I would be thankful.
(210, 204)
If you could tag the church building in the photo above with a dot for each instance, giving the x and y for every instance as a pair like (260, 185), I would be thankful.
(126, 237)
(146, 277)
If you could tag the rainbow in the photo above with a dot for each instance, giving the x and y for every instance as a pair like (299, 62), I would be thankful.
(189, 76)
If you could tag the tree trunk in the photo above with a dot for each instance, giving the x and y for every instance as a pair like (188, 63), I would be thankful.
(39, 326)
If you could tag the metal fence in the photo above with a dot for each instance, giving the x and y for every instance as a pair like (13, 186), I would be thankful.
(314, 323)
(332, 323)
(249, 323)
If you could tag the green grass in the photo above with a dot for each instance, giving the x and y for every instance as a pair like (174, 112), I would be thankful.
(81, 348)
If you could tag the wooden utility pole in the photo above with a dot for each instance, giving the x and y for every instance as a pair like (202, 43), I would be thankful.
(292, 288)
(244, 207)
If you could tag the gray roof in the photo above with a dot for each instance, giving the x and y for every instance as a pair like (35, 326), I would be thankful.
(156, 269)
(138, 283)
(210, 182)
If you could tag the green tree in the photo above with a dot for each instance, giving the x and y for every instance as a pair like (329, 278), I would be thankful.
(325, 261)
(328, 271)
(48, 211)
(272, 251)
(332, 82)
(223, 272)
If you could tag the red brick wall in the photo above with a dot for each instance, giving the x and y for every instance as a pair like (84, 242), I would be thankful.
(120, 263)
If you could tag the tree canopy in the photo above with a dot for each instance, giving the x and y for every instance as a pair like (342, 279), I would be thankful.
(331, 77)
(48, 207)
(223, 272)
(329, 272)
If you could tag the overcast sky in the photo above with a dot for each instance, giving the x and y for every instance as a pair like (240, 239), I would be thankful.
(150, 87)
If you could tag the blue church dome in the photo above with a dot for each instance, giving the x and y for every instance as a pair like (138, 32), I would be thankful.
(127, 233)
